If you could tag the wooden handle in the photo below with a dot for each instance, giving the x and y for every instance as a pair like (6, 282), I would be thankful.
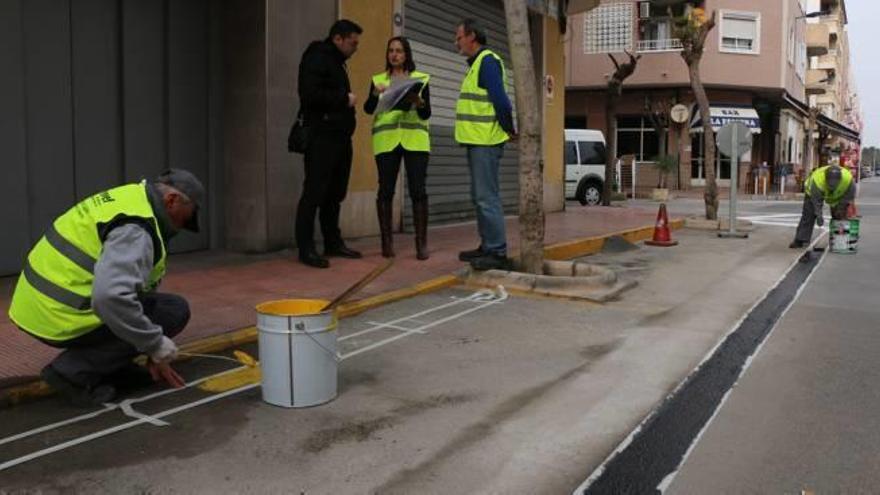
(360, 284)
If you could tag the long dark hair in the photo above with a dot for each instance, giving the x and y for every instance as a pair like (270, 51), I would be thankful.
(408, 65)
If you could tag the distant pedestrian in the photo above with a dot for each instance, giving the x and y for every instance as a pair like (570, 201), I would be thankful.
(401, 133)
(328, 107)
(483, 123)
(89, 287)
(830, 184)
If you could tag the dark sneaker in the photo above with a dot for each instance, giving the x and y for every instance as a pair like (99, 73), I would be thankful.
(77, 395)
(129, 378)
(797, 244)
(343, 252)
(492, 262)
(470, 255)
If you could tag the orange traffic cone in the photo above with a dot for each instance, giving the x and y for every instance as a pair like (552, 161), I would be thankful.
(662, 236)
(852, 211)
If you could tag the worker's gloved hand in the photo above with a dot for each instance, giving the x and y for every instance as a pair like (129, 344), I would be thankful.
(166, 352)
(820, 220)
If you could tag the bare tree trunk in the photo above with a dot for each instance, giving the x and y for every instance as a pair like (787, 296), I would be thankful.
(531, 181)
(611, 148)
(710, 196)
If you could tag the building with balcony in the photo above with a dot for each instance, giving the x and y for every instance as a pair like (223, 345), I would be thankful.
(754, 69)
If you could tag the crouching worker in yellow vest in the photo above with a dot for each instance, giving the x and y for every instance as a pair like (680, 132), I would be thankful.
(830, 184)
(88, 287)
(401, 133)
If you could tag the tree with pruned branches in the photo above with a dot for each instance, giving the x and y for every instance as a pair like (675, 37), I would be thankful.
(615, 89)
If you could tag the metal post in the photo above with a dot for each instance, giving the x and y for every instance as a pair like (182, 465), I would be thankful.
(734, 178)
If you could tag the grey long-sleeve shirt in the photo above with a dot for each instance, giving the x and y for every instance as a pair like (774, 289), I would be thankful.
(121, 273)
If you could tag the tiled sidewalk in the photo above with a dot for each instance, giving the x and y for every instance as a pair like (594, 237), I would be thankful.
(224, 287)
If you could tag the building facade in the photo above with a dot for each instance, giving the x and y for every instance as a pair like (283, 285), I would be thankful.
(100, 92)
(754, 68)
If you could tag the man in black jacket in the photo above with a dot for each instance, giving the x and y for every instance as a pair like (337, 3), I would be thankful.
(328, 109)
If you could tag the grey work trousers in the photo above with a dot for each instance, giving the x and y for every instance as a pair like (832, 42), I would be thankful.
(808, 219)
(89, 358)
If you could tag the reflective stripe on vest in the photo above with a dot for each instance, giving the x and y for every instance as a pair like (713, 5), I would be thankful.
(397, 127)
(52, 298)
(830, 197)
(475, 120)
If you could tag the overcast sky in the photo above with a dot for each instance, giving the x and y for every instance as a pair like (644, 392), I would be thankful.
(863, 17)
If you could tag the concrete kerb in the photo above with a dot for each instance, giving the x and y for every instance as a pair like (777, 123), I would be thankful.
(22, 393)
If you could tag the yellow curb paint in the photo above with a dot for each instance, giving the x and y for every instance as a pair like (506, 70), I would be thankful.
(561, 251)
(235, 379)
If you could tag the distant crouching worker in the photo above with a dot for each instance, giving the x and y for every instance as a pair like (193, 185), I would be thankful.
(830, 184)
(401, 133)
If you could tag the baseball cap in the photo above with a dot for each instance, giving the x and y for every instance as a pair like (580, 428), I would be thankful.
(187, 183)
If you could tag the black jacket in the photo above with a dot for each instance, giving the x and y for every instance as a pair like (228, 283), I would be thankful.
(324, 88)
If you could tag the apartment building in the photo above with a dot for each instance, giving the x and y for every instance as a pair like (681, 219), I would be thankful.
(830, 88)
(754, 68)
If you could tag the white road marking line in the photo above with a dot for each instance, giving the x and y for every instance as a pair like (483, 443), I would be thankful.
(109, 431)
(125, 407)
(392, 327)
(487, 298)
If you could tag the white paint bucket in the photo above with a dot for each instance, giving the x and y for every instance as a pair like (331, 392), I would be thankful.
(297, 352)
(844, 236)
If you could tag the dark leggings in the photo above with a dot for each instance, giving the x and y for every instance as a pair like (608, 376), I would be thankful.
(416, 163)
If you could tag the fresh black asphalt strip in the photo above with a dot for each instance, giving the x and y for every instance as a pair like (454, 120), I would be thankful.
(663, 440)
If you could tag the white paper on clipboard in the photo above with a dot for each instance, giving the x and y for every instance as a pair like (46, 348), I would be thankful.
(394, 93)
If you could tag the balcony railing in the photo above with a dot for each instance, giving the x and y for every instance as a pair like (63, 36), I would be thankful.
(664, 45)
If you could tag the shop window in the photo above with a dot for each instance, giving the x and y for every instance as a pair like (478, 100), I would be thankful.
(636, 136)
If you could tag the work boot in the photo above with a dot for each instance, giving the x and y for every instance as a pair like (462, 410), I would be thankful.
(471, 254)
(384, 211)
(492, 261)
(129, 378)
(340, 250)
(420, 219)
(77, 395)
(311, 258)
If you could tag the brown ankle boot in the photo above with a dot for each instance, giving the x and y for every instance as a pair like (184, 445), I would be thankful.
(384, 210)
(420, 219)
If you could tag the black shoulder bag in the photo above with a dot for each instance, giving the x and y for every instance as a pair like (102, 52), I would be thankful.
(298, 140)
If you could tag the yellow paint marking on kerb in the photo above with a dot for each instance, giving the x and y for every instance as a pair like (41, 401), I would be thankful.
(235, 379)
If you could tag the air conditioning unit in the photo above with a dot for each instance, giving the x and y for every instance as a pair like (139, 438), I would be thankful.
(644, 10)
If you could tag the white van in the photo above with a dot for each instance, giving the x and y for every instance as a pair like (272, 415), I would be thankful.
(584, 165)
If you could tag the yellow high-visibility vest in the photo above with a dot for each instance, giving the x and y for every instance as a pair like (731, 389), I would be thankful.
(475, 119)
(52, 298)
(830, 197)
(398, 127)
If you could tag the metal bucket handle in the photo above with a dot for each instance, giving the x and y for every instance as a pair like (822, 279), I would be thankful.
(300, 328)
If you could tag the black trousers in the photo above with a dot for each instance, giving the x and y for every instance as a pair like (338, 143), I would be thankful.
(416, 163)
(87, 359)
(327, 169)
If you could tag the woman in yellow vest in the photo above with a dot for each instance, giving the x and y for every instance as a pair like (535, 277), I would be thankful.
(401, 133)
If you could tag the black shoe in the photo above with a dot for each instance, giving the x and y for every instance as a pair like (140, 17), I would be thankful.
(343, 252)
(797, 244)
(130, 378)
(492, 262)
(472, 254)
(77, 395)
(314, 259)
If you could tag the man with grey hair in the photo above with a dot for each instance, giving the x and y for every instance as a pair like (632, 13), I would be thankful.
(483, 123)
(89, 287)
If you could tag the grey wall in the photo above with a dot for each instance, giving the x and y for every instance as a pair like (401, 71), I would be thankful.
(94, 93)
(263, 43)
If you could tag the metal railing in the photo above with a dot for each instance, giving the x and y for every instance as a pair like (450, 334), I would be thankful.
(662, 45)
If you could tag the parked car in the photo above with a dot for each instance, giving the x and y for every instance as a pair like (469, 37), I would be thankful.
(584, 165)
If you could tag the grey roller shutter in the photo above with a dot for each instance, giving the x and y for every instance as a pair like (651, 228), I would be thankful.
(430, 27)
(97, 93)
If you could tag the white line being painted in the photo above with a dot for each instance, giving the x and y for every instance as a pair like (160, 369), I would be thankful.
(486, 298)
(629, 438)
(118, 428)
(667, 481)
(110, 407)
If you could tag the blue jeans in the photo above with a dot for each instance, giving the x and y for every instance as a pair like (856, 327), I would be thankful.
(484, 162)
